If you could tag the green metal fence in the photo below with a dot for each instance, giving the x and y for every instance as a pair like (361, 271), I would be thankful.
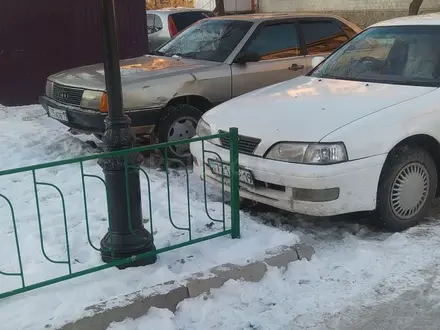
(234, 229)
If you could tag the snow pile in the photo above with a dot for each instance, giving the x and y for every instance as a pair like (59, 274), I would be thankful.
(29, 137)
(347, 274)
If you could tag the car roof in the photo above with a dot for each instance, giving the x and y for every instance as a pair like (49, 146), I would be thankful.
(173, 10)
(258, 18)
(425, 19)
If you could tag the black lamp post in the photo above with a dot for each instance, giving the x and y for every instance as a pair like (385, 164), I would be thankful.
(123, 239)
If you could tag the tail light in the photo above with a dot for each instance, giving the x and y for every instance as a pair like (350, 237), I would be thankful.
(172, 27)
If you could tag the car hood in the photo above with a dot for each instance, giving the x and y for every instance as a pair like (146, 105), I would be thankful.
(132, 70)
(306, 108)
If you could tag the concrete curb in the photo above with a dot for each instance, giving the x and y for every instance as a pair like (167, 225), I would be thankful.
(169, 294)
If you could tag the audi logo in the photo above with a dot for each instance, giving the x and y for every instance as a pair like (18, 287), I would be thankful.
(64, 95)
(61, 95)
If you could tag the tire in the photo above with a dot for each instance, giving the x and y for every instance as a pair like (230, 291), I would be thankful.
(178, 123)
(407, 188)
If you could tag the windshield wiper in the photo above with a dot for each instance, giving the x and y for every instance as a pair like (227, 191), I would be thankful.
(329, 76)
(370, 68)
(158, 53)
(186, 55)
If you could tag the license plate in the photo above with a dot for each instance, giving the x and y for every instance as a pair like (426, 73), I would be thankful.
(58, 114)
(244, 176)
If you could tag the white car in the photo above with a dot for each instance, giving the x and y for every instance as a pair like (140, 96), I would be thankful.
(360, 132)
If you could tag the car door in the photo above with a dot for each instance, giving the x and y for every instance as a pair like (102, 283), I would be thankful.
(280, 57)
(322, 36)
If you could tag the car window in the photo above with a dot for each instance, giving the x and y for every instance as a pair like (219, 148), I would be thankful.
(322, 36)
(347, 30)
(210, 40)
(154, 23)
(183, 20)
(378, 49)
(407, 55)
(275, 41)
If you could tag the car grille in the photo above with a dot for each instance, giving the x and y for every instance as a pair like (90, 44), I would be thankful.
(246, 144)
(67, 95)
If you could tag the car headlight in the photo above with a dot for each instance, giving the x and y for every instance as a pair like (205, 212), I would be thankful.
(308, 153)
(203, 128)
(49, 89)
(92, 99)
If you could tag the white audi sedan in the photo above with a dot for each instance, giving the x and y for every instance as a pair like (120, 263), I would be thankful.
(360, 132)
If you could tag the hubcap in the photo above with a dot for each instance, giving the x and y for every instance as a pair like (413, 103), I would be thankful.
(183, 128)
(409, 190)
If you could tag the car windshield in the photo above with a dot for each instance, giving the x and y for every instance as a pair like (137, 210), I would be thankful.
(209, 40)
(407, 55)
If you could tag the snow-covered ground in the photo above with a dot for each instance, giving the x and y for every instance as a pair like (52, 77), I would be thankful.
(360, 278)
(28, 137)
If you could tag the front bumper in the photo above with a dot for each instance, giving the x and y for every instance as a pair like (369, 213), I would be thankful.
(92, 121)
(316, 190)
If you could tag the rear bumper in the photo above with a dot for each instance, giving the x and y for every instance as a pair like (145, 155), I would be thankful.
(91, 121)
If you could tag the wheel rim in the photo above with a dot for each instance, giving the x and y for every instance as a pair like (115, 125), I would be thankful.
(409, 190)
(183, 128)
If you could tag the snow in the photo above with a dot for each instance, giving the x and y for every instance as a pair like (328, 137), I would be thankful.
(29, 137)
(357, 273)
(354, 269)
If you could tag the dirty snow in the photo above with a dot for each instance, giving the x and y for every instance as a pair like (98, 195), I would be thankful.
(354, 270)
(360, 278)
(29, 137)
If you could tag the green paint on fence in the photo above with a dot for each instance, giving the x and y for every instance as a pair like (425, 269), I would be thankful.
(234, 231)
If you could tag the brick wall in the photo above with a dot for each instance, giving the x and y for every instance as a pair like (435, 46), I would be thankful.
(361, 12)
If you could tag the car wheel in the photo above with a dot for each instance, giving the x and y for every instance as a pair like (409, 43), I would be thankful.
(406, 188)
(178, 122)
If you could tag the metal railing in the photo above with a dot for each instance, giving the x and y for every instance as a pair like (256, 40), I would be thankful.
(233, 230)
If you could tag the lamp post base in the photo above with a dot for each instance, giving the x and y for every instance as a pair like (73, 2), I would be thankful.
(126, 246)
(127, 236)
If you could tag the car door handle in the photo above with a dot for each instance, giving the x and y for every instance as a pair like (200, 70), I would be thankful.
(296, 67)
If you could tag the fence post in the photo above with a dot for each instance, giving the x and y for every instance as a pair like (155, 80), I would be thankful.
(235, 194)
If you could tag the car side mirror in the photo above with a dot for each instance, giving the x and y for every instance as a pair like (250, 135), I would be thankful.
(317, 60)
(247, 57)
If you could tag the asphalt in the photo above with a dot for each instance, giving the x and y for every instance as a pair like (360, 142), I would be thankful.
(418, 308)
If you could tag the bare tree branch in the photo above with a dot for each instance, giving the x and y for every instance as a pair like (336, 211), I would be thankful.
(414, 7)
(219, 7)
